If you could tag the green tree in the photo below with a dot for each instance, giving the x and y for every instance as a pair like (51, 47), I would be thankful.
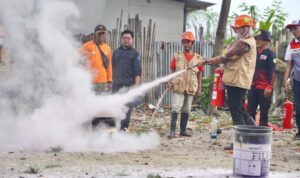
(265, 25)
(251, 10)
(219, 43)
(196, 19)
(279, 16)
(211, 18)
(272, 19)
(229, 32)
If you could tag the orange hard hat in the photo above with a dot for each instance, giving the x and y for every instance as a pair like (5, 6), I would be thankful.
(243, 21)
(188, 36)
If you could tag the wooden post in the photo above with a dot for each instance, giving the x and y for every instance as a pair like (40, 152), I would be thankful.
(219, 42)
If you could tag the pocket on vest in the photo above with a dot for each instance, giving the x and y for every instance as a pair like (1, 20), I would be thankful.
(176, 82)
(230, 75)
(193, 85)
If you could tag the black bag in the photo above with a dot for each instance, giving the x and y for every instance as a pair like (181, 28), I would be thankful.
(104, 57)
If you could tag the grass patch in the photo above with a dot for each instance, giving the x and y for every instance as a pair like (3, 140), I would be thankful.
(204, 97)
(194, 117)
(32, 170)
(206, 120)
(275, 120)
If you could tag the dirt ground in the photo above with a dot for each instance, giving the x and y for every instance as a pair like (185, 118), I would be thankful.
(180, 157)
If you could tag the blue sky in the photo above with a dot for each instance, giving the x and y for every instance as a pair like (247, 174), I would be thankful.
(289, 6)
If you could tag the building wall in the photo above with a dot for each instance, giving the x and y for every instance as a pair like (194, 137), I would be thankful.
(167, 14)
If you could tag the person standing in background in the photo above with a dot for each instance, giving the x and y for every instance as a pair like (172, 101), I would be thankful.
(98, 60)
(263, 80)
(126, 62)
(292, 58)
(186, 85)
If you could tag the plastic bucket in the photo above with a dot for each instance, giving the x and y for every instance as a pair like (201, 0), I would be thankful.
(252, 151)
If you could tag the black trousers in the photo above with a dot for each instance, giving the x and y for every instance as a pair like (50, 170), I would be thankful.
(236, 99)
(256, 97)
(125, 122)
(296, 92)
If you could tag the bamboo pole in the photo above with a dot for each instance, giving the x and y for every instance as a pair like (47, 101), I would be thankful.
(119, 29)
(144, 43)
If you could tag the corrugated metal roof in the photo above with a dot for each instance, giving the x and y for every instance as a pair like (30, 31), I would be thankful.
(191, 5)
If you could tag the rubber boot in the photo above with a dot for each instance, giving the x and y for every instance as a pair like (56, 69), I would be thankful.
(183, 123)
(172, 133)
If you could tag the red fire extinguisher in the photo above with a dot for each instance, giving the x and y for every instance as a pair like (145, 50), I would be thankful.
(218, 93)
(288, 115)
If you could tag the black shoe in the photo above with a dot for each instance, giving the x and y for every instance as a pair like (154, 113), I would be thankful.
(185, 134)
(297, 136)
(172, 135)
(103, 121)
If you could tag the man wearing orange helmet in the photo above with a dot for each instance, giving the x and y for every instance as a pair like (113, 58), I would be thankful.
(186, 85)
(239, 60)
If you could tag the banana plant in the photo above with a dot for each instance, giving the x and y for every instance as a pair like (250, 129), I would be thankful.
(279, 17)
(265, 25)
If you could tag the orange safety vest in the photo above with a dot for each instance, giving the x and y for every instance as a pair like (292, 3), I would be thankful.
(95, 63)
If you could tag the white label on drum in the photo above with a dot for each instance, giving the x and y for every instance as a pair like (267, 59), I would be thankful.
(250, 158)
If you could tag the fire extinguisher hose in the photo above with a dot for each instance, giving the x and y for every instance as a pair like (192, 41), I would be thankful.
(157, 106)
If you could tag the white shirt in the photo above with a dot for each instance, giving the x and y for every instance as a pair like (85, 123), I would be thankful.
(288, 53)
(294, 54)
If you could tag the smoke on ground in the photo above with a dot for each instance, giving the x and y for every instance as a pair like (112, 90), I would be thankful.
(47, 95)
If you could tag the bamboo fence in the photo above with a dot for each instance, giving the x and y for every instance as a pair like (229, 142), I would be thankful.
(156, 56)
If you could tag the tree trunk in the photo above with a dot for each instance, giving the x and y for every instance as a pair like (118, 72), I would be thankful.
(219, 43)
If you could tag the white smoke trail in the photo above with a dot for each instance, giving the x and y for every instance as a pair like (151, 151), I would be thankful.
(47, 96)
(137, 91)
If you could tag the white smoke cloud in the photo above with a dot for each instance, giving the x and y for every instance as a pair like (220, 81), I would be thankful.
(47, 96)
